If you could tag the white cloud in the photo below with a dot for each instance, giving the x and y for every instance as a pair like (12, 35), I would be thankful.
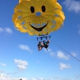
(74, 54)
(25, 47)
(1, 30)
(5, 77)
(20, 79)
(3, 64)
(33, 79)
(64, 66)
(72, 5)
(62, 55)
(49, 50)
(8, 30)
(37, 79)
(52, 54)
(21, 64)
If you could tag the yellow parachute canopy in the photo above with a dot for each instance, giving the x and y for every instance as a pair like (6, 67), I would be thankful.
(38, 17)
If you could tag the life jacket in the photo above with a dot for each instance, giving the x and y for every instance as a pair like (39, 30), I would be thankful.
(39, 45)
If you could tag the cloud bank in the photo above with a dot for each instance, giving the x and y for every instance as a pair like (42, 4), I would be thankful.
(64, 66)
(61, 55)
(21, 64)
(6, 30)
(3, 64)
(25, 47)
(72, 5)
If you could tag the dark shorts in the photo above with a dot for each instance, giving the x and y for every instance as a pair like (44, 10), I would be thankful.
(46, 46)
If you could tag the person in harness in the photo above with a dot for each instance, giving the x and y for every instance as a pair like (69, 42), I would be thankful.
(44, 44)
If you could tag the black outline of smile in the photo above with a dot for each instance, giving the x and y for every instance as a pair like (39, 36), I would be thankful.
(39, 29)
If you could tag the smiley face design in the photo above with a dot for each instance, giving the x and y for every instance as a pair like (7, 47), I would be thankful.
(38, 17)
(38, 14)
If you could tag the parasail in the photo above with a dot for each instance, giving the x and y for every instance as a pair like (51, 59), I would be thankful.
(38, 17)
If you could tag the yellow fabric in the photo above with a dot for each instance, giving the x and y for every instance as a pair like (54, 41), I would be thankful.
(23, 17)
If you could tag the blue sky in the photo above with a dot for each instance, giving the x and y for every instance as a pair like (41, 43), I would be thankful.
(20, 58)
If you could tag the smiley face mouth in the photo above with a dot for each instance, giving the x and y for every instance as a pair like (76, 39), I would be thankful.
(39, 29)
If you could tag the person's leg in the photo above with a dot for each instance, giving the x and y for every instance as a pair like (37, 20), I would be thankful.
(39, 48)
(42, 45)
(48, 41)
(46, 46)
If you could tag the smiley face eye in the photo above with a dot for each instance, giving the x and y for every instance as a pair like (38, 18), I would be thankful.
(43, 8)
(32, 9)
